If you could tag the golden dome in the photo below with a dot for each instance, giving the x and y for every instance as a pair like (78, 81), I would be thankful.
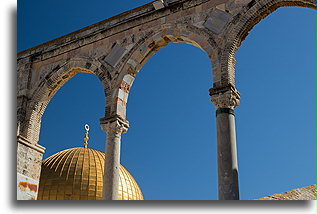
(77, 174)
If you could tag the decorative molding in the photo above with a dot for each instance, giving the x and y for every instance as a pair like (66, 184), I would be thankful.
(225, 97)
(114, 125)
(224, 111)
(27, 143)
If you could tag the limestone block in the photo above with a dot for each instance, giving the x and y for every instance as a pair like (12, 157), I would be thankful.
(122, 95)
(26, 187)
(242, 2)
(121, 110)
(132, 63)
(115, 55)
(217, 21)
(157, 36)
(29, 159)
(128, 79)
(158, 4)
(304, 193)
(143, 49)
(221, 7)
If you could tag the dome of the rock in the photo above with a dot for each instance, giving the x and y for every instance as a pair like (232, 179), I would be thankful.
(77, 174)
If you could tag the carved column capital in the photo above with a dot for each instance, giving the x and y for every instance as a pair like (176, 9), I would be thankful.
(225, 97)
(114, 125)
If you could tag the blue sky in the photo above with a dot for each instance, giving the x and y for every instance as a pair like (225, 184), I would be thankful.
(170, 147)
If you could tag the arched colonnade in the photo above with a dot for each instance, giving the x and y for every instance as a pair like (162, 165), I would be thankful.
(115, 50)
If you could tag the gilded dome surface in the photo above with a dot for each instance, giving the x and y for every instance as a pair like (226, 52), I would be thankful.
(77, 174)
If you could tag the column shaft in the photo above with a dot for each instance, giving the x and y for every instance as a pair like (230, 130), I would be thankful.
(114, 127)
(112, 167)
(228, 187)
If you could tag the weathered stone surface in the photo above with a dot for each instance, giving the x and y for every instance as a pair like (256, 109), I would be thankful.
(216, 26)
(227, 97)
(158, 4)
(304, 193)
(115, 55)
(27, 188)
(217, 21)
(29, 159)
(114, 127)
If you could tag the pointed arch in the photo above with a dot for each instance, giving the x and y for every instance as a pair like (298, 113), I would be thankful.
(50, 84)
(250, 15)
(142, 52)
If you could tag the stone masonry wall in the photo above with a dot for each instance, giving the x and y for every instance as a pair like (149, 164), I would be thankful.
(304, 193)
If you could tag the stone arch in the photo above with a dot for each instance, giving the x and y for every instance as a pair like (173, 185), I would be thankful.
(144, 49)
(50, 84)
(250, 15)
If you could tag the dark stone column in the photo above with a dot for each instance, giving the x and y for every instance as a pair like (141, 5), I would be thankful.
(228, 186)
(225, 100)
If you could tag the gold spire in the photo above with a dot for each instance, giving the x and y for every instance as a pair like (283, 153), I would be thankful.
(86, 138)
